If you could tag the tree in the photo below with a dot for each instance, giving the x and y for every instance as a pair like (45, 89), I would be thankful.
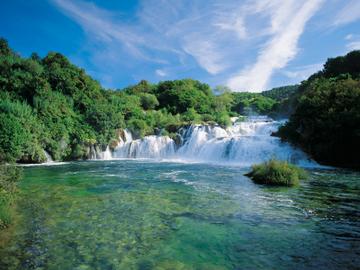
(12, 138)
(148, 101)
(4, 48)
(326, 122)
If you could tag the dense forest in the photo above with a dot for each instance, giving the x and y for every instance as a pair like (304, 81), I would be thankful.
(50, 104)
(326, 118)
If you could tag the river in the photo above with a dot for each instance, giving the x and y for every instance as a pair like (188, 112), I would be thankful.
(142, 214)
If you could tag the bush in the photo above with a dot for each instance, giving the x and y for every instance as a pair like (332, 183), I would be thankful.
(139, 128)
(191, 116)
(148, 101)
(223, 119)
(278, 173)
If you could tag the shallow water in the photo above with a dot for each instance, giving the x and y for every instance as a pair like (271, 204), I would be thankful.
(146, 215)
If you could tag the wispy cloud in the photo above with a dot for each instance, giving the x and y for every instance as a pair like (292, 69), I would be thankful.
(302, 72)
(287, 24)
(108, 29)
(161, 72)
(348, 14)
(353, 42)
(239, 43)
(354, 45)
(205, 54)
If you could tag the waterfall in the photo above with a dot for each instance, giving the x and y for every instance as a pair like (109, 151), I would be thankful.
(106, 155)
(148, 147)
(244, 143)
(95, 153)
(48, 157)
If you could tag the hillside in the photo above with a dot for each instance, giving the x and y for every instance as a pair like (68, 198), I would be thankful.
(326, 121)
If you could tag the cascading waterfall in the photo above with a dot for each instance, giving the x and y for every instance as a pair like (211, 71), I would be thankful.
(244, 143)
(148, 147)
(48, 157)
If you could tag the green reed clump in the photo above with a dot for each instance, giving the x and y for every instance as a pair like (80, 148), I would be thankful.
(9, 176)
(277, 173)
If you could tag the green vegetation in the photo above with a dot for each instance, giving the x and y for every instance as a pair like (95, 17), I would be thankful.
(9, 176)
(285, 98)
(276, 102)
(252, 103)
(277, 173)
(281, 93)
(326, 121)
(50, 104)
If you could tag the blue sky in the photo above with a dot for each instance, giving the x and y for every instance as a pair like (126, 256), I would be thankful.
(248, 45)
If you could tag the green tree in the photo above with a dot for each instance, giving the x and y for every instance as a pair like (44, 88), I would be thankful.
(148, 101)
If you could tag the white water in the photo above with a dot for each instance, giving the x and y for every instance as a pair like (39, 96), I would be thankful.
(243, 143)
(48, 157)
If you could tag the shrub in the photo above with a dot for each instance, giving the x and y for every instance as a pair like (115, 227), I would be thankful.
(223, 119)
(148, 101)
(191, 116)
(207, 118)
(139, 128)
(275, 172)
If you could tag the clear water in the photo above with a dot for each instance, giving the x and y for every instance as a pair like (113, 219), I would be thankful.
(146, 215)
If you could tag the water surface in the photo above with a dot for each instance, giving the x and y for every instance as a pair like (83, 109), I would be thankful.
(147, 215)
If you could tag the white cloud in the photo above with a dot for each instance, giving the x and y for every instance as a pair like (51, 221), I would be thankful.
(349, 37)
(104, 27)
(205, 54)
(161, 72)
(348, 14)
(353, 42)
(237, 25)
(302, 72)
(215, 35)
(287, 23)
(354, 45)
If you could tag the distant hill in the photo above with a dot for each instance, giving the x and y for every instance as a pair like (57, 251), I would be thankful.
(281, 93)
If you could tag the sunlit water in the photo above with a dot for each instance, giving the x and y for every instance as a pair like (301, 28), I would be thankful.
(146, 215)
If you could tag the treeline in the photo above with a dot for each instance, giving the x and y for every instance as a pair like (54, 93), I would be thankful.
(326, 121)
(50, 104)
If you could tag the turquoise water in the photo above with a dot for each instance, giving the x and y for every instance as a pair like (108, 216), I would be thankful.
(145, 215)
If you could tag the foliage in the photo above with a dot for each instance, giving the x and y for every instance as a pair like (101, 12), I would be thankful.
(281, 93)
(252, 103)
(139, 127)
(148, 101)
(326, 122)
(50, 104)
(9, 176)
(278, 173)
(179, 95)
(348, 64)
(19, 133)
(223, 119)
(191, 116)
